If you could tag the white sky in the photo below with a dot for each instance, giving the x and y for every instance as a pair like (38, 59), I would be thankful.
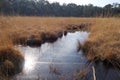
(83, 2)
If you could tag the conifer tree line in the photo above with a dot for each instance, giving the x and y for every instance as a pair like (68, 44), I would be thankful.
(45, 8)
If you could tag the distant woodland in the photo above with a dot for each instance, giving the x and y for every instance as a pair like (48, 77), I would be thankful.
(45, 8)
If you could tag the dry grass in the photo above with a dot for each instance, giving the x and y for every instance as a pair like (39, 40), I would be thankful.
(11, 61)
(103, 43)
(18, 29)
(34, 25)
(15, 30)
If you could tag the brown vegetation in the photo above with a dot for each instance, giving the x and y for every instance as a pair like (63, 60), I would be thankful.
(34, 31)
(11, 61)
(103, 43)
(78, 27)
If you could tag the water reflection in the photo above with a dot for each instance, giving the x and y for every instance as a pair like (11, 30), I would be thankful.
(54, 61)
(61, 61)
(29, 63)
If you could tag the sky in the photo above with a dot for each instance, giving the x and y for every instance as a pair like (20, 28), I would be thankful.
(100, 3)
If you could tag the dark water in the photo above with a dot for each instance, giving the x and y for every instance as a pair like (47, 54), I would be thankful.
(61, 61)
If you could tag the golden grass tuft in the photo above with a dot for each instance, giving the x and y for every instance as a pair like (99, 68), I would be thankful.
(11, 61)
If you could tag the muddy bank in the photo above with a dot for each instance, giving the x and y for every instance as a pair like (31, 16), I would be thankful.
(37, 41)
(108, 58)
(99, 50)
(50, 37)
(80, 27)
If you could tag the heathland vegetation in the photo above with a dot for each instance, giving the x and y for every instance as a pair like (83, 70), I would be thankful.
(20, 24)
(103, 43)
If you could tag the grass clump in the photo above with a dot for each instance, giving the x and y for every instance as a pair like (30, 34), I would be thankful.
(11, 61)
(103, 43)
